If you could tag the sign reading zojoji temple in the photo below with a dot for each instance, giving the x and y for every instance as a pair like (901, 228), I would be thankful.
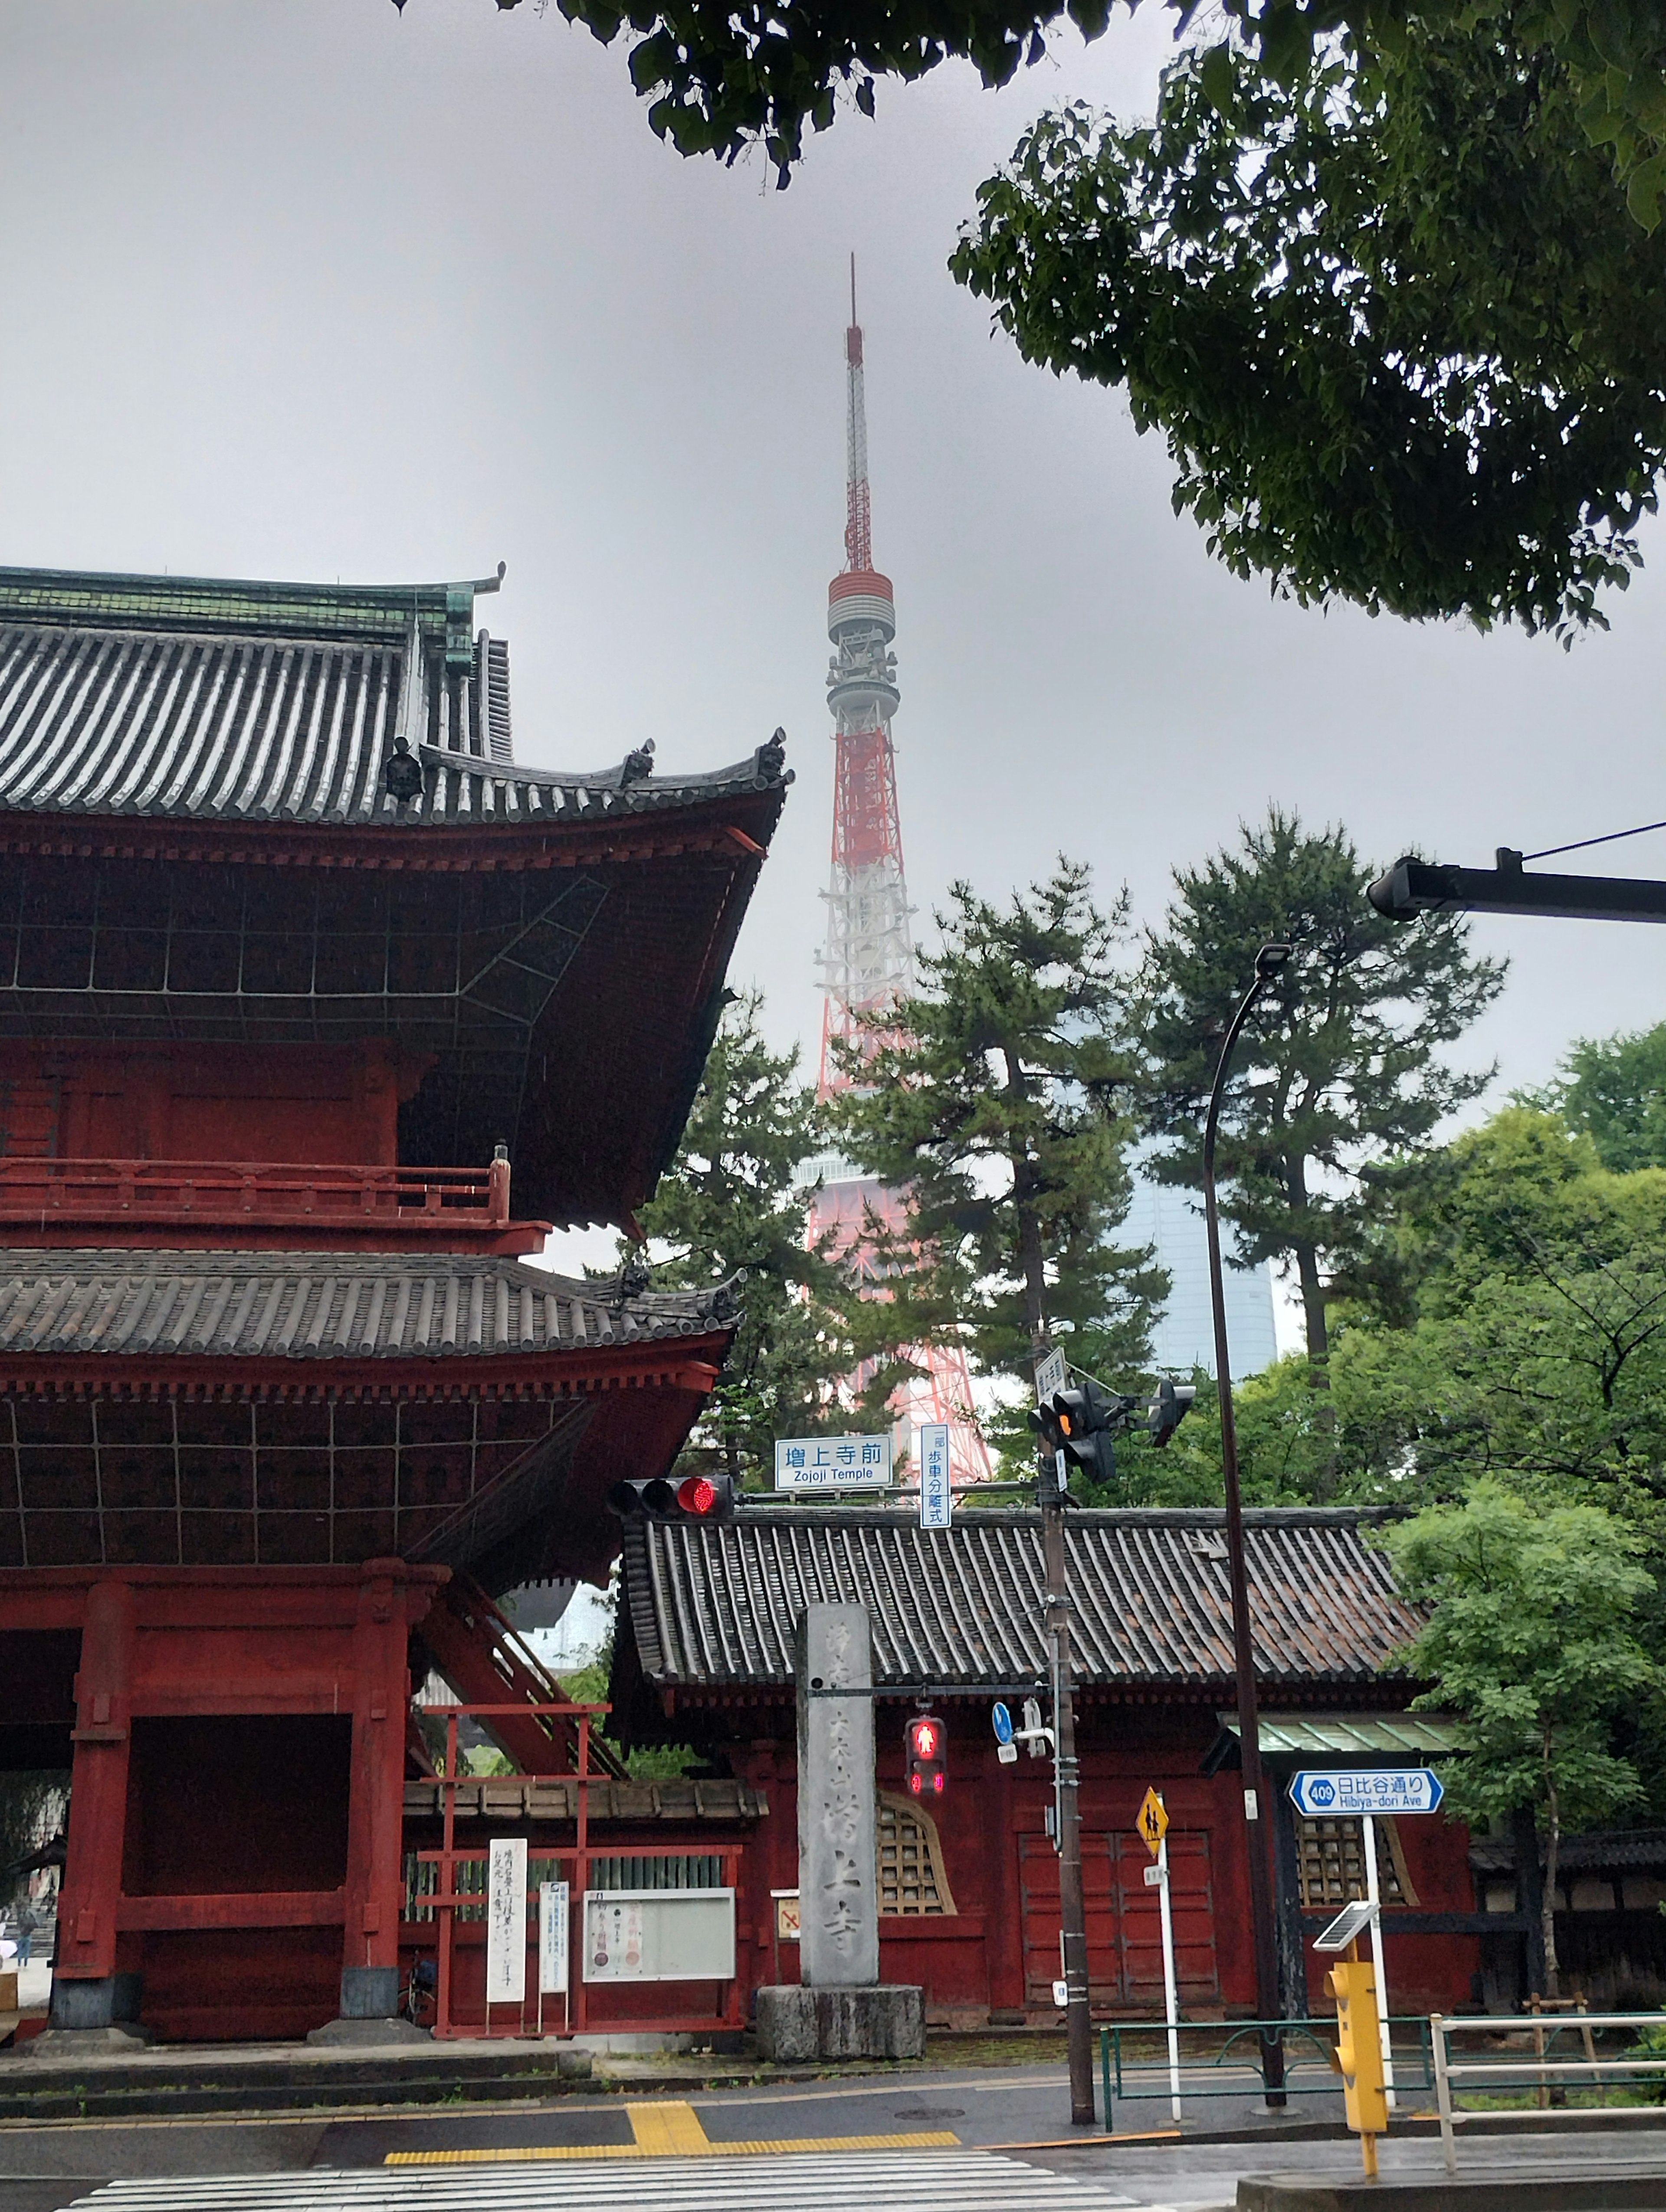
(317, 1010)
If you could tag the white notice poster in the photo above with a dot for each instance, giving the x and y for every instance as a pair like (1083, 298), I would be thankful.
(506, 1921)
(552, 1968)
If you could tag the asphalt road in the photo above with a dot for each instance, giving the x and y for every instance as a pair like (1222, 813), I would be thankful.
(639, 2146)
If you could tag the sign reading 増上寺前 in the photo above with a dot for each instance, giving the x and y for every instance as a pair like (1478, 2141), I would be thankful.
(833, 1463)
(1378, 1791)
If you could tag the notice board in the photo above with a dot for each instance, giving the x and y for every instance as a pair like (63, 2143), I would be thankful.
(659, 1935)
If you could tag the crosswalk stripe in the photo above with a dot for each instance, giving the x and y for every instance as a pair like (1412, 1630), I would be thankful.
(927, 2139)
(945, 2181)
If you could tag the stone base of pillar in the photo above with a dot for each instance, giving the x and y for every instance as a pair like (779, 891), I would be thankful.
(356, 2032)
(107, 2007)
(885, 2021)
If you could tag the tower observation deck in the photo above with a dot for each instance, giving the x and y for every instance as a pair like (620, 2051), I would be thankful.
(867, 962)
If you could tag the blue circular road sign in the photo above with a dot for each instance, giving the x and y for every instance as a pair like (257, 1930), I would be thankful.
(1003, 1724)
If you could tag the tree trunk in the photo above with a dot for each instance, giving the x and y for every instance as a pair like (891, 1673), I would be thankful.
(1313, 1314)
(1553, 1853)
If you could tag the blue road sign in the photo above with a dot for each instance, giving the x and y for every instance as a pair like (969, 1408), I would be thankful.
(1376, 1790)
(1003, 1724)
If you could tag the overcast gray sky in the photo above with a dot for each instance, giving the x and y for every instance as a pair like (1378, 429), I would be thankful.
(311, 289)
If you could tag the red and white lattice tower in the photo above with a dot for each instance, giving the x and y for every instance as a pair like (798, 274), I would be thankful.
(868, 962)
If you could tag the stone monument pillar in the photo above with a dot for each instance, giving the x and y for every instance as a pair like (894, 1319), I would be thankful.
(841, 2010)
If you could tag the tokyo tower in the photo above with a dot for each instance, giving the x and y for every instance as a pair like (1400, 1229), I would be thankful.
(868, 962)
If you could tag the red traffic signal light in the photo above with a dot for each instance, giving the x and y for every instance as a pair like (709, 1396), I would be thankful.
(696, 1497)
(924, 1742)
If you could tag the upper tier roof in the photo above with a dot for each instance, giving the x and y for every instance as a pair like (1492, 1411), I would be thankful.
(201, 699)
(193, 790)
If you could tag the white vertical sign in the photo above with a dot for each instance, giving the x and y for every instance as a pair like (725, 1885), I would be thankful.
(936, 1498)
(552, 1969)
(506, 1921)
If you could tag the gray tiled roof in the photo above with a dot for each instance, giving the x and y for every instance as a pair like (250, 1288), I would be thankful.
(185, 699)
(323, 1305)
(714, 1606)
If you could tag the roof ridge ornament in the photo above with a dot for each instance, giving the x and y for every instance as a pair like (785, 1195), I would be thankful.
(401, 772)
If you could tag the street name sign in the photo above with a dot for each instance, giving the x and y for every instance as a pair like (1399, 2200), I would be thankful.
(1377, 1791)
(833, 1463)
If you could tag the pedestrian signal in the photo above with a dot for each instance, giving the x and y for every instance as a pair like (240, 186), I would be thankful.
(924, 1766)
(696, 1497)
(1168, 1409)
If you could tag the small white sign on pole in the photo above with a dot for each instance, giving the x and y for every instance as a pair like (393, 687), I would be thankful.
(552, 1940)
(833, 1463)
(936, 1497)
(1051, 1371)
(506, 1921)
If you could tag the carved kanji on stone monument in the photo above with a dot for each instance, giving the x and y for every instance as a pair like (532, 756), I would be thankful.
(838, 1901)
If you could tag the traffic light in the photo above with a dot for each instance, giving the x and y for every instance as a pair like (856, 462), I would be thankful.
(1168, 1409)
(1082, 1424)
(923, 1762)
(696, 1497)
(1359, 2060)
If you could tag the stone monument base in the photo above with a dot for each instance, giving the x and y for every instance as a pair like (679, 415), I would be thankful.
(886, 2021)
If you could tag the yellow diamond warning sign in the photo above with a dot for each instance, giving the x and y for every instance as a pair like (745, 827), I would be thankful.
(1152, 1821)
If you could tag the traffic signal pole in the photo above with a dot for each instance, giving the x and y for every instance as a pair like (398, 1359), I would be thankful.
(1072, 1903)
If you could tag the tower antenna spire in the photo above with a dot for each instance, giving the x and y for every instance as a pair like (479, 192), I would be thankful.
(868, 964)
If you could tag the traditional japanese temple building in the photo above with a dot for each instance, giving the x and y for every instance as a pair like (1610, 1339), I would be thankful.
(316, 1011)
(969, 1891)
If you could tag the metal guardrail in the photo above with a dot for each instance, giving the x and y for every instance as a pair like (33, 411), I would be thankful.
(1537, 2066)
(1208, 2075)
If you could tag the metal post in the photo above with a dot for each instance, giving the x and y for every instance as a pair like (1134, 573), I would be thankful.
(1073, 1908)
(1443, 2091)
(1269, 961)
(1170, 1978)
(1373, 1893)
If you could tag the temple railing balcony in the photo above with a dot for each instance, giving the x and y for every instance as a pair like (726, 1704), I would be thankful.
(261, 1205)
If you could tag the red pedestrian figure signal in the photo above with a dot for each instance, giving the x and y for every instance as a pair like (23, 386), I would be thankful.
(924, 1747)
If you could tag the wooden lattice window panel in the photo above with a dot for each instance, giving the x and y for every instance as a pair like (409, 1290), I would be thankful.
(1330, 1860)
(912, 1875)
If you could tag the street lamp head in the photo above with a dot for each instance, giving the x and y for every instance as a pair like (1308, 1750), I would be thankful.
(1271, 960)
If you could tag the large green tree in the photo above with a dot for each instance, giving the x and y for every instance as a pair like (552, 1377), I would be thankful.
(995, 1098)
(737, 1200)
(1405, 341)
(1341, 1063)
(1613, 1089)
(1532, 1639)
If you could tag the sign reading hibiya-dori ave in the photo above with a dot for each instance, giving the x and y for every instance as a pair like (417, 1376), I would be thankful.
(833, 1463)
(1375, 1789)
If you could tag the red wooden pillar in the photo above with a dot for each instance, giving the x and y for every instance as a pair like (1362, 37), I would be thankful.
(381, 1693)
(83, 1980)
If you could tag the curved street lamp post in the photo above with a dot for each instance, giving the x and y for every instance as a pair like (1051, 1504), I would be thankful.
(1270, 962)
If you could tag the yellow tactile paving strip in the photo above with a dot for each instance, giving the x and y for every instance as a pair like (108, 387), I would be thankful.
(672, 2130)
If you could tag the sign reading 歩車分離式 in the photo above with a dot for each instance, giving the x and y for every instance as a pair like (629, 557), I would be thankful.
(936, 1496)
(833, 1463)
(1378, 1791)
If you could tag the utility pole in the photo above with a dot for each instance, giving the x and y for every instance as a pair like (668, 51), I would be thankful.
(1067, 1814)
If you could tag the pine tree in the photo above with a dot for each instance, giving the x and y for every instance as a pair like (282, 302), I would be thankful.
(737, 1199)
(994, 1099)
(1339, 1067)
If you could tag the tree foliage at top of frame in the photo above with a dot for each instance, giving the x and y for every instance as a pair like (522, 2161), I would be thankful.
(720, 75)
(1406, 343)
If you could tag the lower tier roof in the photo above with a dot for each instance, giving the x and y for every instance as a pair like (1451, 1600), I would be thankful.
(712, 1609)
(326, 1306)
